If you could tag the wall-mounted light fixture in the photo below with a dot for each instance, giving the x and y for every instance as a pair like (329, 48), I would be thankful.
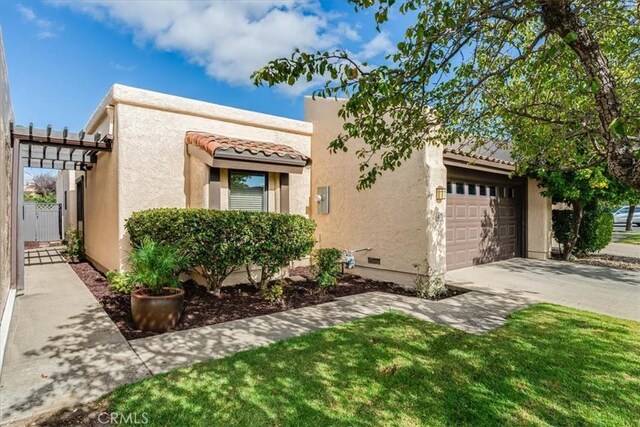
(441, 193)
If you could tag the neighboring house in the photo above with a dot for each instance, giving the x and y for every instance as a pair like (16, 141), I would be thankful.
(176, 152)
(30, 187)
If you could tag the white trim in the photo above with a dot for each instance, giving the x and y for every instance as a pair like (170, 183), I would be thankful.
(5, 323)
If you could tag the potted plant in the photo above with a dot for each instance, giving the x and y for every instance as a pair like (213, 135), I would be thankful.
(156, 303)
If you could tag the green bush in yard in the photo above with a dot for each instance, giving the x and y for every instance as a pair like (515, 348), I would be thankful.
(327, 266)
(216, 243)
(562, 225)
(74, 245)
(122, 283)
(276, 241)
(596, 228)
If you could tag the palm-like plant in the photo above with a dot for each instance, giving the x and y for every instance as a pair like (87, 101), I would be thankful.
(155, 266)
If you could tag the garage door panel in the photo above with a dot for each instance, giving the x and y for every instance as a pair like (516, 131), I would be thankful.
(484, 228)
(461, 234)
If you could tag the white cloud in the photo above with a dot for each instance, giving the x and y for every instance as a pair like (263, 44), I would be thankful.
(228, 39)
(122, 67)
(379, 45)
(45, 29)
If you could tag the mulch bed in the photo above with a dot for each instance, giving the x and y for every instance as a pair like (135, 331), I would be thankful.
(236, 302)
(613, 261)
(604, 260)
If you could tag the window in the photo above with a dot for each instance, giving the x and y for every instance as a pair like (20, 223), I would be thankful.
(459, 188)
(247, 191)
(511, 193)
(65, 200)
(471, 189)
(483, 190)
(492, 191)
(449, 187)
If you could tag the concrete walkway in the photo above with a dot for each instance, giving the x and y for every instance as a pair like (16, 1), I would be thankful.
(601, 289)
(62, 349)
(471, 312)
(622, 249)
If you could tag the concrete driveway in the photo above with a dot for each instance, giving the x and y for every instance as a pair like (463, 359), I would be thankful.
(601, 289)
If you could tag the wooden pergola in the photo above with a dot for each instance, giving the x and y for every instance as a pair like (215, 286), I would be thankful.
(47, 148)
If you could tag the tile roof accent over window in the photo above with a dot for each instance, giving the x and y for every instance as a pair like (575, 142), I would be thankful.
(213, 143)
(478, 156)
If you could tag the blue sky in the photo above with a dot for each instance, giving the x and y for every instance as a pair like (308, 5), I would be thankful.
(64, 55)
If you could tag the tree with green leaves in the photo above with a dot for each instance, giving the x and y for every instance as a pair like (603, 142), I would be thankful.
(582, 189)
(473, 70)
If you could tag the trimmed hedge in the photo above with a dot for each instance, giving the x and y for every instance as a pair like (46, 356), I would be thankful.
(216, 243)
(596, 229)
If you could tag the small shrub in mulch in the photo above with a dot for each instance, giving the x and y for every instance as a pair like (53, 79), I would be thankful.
(201, 308)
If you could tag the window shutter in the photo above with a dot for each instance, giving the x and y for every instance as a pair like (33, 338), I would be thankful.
(246, 199)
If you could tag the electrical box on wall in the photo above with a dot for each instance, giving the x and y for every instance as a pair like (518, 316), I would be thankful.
(322, 199)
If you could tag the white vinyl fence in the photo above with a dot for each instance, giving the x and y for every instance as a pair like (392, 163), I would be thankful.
(42, 222)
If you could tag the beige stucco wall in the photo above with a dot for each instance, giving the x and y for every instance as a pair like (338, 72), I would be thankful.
(149, 166)
(398, 218)
(539, 231)
(101, 200)
(6, 115)
(65, 181)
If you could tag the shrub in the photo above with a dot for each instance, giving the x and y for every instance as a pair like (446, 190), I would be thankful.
(156, 265)
(74, 245)
(562, 225)
(327, 266)
(214, 243)
(276, 241)
(273, 293)
(122, 283)
(428, 283)
(217, 243)
(596, 228)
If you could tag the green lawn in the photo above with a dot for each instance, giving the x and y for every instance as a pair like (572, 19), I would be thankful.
(548, 365)
(634, 239)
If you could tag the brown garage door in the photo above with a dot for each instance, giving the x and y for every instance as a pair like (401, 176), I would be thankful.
(483, 220)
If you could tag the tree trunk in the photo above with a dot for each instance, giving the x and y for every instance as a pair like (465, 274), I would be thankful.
(632, 210)
(571, 244)
(560, 17)
(250, 277)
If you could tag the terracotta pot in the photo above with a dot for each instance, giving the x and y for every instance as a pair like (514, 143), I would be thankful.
(156, 313)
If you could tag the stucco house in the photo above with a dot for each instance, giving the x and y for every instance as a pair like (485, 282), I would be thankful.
(448, 208)
(168, 151)
(445, 207)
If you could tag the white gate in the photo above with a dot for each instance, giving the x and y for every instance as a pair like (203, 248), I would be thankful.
(42, 222)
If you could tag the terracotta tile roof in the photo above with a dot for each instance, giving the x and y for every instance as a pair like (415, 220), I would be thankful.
(210, 143)
(479, 156)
